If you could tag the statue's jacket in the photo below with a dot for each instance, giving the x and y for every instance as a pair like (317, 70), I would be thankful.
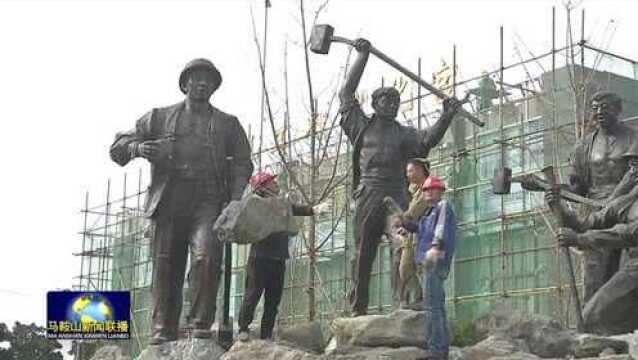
(226, 140)
(355, 124)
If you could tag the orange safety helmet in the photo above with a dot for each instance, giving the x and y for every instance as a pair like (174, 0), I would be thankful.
(433, 182)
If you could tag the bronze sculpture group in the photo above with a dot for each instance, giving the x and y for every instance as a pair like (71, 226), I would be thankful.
(200, 160)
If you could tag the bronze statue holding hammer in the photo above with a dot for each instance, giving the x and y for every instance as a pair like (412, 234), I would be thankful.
(382, 147)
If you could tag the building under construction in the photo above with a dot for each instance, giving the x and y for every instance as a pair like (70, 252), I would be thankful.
(534, 111)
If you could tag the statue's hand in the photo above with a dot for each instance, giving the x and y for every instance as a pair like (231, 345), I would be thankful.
(552, 196)
(149, 150)
(451, 104)
(362, 45)
(567, 237)
(529, 182)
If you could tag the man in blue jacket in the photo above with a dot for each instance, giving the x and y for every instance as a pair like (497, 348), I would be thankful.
(436, 237)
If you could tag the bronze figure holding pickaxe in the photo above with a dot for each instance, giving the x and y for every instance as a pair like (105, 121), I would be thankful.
(600, 171)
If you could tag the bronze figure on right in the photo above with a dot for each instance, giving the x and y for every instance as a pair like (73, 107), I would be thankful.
(604, 168)
(600, 163)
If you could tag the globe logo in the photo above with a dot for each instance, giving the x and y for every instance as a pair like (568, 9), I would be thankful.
(88, 309)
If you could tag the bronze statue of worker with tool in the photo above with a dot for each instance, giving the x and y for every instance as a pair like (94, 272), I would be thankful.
(200, 159)
(600, 165)
(381, 148)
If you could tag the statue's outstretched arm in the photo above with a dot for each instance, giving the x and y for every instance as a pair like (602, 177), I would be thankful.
(617, 237)
(349, 88)
(435, 133)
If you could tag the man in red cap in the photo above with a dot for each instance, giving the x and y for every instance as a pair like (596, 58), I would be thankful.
(436, 236)
(267, 263)
(200, 159)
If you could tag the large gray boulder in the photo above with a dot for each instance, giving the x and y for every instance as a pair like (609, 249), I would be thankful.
(110, 352)
(456, 353)
(632, 340)
(377, 353)
(586, 345)
(493, 346)
(517, 356)
(253, 218)
(307, 336)
(266, 350)
(537, 335)
(542, 336)
(184, 349)
(499, 319)
(398, 329)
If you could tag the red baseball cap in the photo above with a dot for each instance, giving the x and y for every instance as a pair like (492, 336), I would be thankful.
(433, 182)
(260, 179)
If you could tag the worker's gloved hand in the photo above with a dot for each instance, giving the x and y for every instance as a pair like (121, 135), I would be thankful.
(322, 208)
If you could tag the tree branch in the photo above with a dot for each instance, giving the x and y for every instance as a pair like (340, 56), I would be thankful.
(292, 174)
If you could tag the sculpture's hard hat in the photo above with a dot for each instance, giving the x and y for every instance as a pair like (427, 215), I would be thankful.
(199, 64)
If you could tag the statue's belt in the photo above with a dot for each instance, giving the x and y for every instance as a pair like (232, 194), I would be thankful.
(189, 171)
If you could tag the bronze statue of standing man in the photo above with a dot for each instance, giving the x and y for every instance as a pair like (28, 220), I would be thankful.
(200, 159)
(381, 148)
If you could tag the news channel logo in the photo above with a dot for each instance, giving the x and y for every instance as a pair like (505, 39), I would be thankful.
(88, 315)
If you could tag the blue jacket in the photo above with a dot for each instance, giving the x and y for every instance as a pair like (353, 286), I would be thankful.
(439, 224)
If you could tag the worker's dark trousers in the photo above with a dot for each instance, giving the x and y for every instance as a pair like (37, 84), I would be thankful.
(263, 276)
(184, 221)
(370, 222)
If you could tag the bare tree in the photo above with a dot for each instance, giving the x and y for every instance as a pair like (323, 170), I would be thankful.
(322, 143)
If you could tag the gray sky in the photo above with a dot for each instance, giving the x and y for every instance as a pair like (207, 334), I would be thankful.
(75, 73)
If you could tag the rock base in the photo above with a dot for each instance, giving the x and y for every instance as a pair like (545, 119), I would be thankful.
(185, 349)
(401, 335)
